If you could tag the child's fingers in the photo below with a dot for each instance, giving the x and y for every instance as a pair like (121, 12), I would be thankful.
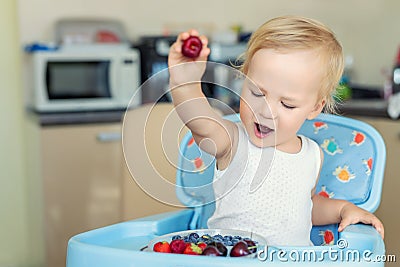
(204, 54)
(204, 40)
(346, 221)
(343, 224)
(378, 226)
(380, 230)
(205, 51)
(184, 35)
(375, 222)
(193, 32)
(177, 46)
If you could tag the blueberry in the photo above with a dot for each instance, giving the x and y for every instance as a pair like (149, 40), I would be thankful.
(208, 241)
(237, 237)
(218, 238)
(194, 236)
(228, 237)
(176, 237)
(228, 243)
(206, 237)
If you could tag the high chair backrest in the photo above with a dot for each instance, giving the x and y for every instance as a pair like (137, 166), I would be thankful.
(353, 167)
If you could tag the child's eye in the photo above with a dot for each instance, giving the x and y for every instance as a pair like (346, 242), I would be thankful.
(287, 106)
(256, 94)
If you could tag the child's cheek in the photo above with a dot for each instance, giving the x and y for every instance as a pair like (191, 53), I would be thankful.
(251, 101)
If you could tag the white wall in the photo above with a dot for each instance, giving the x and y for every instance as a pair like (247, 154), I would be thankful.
(368, 30)
(13, 221)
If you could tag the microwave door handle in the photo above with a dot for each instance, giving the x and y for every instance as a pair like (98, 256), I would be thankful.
(107, 137)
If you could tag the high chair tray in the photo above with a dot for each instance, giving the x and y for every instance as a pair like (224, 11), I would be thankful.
(121, 245)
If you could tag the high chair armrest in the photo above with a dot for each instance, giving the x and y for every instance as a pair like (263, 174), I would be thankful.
(138, 232)
(362, 237)
(167, 222)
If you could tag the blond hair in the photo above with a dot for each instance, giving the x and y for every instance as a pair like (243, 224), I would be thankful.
(292, 33)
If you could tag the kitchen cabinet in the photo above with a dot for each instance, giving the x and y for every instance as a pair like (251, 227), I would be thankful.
(389, 210)
(82, 175)
(151, 141)
(137, 203)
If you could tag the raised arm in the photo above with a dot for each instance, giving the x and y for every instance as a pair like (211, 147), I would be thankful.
(211, 132)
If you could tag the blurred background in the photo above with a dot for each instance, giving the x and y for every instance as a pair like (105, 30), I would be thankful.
(368, 30)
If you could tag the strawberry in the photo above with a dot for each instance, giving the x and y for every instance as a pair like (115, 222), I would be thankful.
(178, 246)
(192, 249)
(202, 245)
(162, 246)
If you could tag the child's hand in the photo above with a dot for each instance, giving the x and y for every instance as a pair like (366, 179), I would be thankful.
(351, 214)
(188, 72)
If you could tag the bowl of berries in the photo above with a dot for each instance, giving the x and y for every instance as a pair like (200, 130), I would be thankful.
(209, 242)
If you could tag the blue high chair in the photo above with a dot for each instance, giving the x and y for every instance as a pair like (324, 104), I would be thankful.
(353, 169)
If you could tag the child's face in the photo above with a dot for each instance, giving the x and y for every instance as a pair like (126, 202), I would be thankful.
(287, 94)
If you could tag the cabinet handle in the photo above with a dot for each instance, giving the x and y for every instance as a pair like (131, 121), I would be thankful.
(108, 137)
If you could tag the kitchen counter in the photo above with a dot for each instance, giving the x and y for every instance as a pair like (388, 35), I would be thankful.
(63, 118)
(364, 107)
(366, 101)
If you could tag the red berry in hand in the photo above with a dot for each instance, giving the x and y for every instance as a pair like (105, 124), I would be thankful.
(192, 46)
(162, 246)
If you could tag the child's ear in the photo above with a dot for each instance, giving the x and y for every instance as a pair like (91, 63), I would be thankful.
(317, 109)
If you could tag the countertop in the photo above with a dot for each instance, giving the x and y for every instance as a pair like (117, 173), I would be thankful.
(365, 107)
(65, 118)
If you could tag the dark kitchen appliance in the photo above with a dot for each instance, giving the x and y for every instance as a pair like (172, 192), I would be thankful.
(154, 55)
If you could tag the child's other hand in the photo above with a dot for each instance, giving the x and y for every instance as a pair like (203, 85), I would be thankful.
(351, 214)
(187, 72)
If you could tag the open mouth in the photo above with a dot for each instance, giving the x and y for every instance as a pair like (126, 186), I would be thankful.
(262, 131)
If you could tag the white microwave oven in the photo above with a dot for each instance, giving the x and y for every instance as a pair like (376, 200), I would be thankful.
(85, 78)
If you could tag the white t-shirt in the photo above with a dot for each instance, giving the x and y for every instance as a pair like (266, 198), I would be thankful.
(268, 192)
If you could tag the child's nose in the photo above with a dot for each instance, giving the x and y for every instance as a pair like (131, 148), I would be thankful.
(267, 110)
